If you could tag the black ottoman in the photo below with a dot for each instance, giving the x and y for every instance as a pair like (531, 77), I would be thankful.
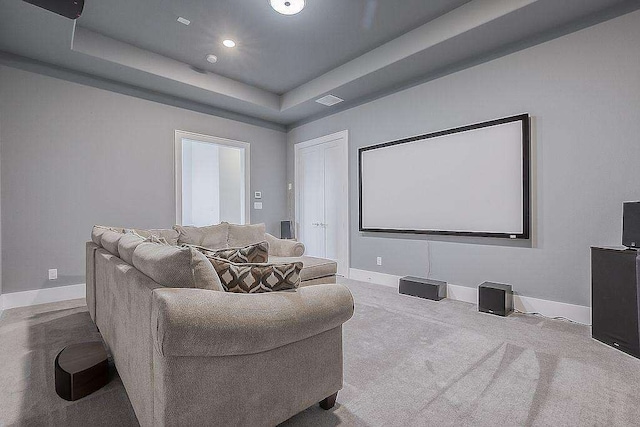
(81, 369)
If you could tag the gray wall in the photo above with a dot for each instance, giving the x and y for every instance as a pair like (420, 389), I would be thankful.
(73, 156)
(583, 92)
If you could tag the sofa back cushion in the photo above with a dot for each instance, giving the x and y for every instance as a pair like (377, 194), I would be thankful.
(256, 253)
(176, 267)
(256, 278)
(109, 240)
(127, 244)
(97, 230)
(212, 237)
(170, 235)
(243, 235)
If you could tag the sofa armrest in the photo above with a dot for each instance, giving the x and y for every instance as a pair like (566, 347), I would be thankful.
(284, 247)
(200, 322)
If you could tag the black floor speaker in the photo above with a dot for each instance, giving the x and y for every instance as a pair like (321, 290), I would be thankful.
(615, 298)
(423, 288)
(495, 298)
(286, 231)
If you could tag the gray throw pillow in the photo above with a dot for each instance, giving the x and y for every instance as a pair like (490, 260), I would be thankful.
(176, 267)
(213, 236)
(256, 253)
(256, 278)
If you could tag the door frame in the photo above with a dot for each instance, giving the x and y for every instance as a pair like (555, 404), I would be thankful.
(344, 212)
(179, 135)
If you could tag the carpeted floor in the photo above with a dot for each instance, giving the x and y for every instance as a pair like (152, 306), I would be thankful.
(408, 362)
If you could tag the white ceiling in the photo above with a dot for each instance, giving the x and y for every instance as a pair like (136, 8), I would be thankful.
(356, 49)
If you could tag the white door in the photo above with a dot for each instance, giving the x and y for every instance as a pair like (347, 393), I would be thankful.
(322, 193)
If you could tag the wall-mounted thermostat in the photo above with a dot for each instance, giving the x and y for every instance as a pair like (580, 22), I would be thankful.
(257, 195)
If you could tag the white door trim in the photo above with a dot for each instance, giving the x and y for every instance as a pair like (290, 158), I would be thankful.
(179, 135)
(344, 213)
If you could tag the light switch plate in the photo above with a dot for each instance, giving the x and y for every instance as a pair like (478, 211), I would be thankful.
(257, 205)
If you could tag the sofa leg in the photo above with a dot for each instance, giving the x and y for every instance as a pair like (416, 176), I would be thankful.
(328, 402)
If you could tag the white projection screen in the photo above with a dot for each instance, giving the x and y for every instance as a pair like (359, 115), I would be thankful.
(469, 181)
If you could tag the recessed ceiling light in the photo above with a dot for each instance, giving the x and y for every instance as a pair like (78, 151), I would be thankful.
(329, 100)
(287, 7)
(229, 43)
(212, 58)
(183, 20)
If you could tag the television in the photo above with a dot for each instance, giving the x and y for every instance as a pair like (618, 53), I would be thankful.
(468, 181)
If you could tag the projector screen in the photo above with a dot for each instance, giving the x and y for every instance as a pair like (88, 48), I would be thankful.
(470, 181)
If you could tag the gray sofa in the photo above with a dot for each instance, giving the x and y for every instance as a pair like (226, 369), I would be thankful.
(189, 356)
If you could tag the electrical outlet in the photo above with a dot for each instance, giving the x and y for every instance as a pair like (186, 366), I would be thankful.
(379, 260)
(53, 273)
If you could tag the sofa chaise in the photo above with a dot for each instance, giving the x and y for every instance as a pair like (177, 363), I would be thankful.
(189, 355)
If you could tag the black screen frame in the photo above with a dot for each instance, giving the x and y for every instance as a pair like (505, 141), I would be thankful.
(526, 178)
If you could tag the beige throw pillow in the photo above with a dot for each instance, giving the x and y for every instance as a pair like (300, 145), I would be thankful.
(256, 278)
(256, 253)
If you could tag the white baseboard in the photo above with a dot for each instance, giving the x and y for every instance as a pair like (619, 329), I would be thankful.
(41, 296)
(575, 313)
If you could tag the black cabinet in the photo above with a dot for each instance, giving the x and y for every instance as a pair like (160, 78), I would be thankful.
(615, 298)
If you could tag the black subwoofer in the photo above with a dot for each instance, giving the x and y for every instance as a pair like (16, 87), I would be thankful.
(495, 298)
(423, 288)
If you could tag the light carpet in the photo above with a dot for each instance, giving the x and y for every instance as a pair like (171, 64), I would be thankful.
(408, 362)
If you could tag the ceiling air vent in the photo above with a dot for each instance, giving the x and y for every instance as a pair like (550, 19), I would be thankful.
(329, 100)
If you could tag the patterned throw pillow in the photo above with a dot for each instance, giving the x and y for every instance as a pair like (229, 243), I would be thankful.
(256, 253)
(255, 278)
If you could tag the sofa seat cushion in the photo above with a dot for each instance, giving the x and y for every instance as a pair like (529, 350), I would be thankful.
(212, 237)
(243, 235)
(312, 267)
(176, 267)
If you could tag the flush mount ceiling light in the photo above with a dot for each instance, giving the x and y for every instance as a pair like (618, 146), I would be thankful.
(329, 100)
(212, 58)
(287, 7)
(229, 43)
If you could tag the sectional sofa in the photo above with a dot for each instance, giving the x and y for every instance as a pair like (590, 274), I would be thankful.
(189, 355)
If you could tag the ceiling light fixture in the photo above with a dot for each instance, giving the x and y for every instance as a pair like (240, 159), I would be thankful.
(229, 43)
(329, 100)
(287, 7)
(212, 58)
